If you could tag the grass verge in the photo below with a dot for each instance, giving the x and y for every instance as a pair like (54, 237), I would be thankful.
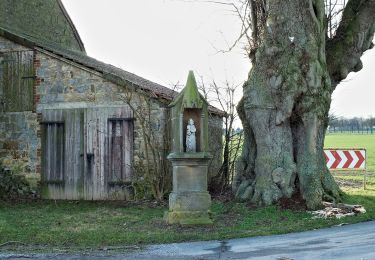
(75, 225)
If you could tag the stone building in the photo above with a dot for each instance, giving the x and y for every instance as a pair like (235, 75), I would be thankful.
(89, 130)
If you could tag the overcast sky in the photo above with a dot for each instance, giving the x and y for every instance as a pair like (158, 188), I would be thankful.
(162, 40)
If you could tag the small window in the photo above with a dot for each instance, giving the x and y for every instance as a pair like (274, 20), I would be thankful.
(53, 153)
(120, 154)
(16, 81)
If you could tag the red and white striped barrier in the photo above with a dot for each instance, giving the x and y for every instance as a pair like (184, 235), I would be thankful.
(341, 159)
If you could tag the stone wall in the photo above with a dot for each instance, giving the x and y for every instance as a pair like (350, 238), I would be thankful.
(61, 84)
(19, 143)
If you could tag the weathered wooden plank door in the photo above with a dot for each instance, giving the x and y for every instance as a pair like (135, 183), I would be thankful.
(109, 146)
(16, 81)
(95, 152)
(62, 148)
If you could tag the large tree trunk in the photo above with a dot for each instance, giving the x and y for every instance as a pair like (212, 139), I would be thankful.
(285, 106)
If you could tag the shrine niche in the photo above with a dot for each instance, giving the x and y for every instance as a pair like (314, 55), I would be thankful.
(189, 202)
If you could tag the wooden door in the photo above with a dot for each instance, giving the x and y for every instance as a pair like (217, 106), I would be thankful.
(109, 151)
(62, 153)
(87, 152)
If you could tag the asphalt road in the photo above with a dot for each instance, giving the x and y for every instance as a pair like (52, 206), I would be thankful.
(346, 242)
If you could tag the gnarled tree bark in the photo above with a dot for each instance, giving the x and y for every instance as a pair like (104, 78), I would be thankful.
(287, 97)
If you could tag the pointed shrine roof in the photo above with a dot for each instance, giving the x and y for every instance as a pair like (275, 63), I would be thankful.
(190, 96)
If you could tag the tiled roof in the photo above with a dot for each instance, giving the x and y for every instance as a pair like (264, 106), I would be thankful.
(44, 20)
(109, 72)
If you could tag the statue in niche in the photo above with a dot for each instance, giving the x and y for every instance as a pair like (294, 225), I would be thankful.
(191, 145)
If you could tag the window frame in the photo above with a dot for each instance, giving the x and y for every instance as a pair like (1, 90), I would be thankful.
(127, 164)
(47, 177)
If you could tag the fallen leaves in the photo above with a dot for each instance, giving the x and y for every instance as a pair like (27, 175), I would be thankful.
(339, 210)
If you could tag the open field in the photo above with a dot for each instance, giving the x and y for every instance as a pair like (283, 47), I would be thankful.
(347, 140)
(354, 141)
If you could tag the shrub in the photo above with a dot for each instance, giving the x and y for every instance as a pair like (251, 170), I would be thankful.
(13, 185)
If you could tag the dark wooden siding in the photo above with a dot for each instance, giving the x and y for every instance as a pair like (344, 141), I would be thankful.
(16, 81)
(120, 150)
(53, 153)
(72, 185)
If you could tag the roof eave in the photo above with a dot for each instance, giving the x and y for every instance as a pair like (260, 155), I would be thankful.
(107, 75)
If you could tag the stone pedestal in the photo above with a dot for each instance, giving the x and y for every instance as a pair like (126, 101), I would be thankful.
(189, 202)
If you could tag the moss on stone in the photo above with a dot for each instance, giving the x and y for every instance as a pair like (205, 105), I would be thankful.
(44, 191)
(188, 217)
(189, 96)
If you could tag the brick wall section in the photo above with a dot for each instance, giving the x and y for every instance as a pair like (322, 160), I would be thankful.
(37, 81)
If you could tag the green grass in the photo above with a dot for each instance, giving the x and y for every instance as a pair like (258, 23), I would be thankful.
(77, 225)
(355, 177)
(354, 141)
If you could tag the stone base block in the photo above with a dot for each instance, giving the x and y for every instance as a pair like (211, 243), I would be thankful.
(189, 208)
(189, 201)
(188, 217)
